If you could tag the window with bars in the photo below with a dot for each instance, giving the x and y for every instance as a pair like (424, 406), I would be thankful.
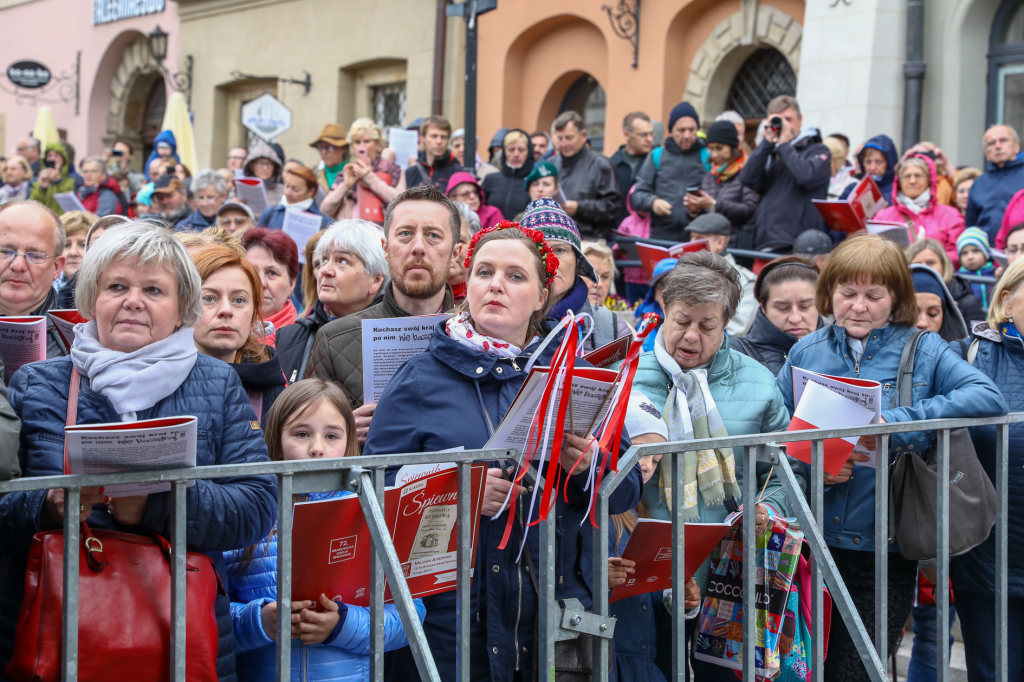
(766, 74)
(387, 104)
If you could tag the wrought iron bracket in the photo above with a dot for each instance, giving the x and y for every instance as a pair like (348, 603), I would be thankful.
(306, 83)
(62, 89)
(181, 81)
(625, 22)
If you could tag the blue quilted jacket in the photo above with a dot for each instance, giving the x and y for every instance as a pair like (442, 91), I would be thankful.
(343, 657)
(1001, 358)
(945, 387)
(223, 514)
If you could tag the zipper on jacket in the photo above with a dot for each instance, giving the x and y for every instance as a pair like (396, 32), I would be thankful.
(294, 373)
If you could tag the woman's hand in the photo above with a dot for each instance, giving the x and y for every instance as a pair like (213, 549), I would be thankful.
(698, 202)
(312, 627)
(619, 570)
(48, 175)
(268, 616)
(53, 506)
(360, 168)
(844, 475)
(869, 442)
(572, 448)
(691, 598)
(128, 510)
(495, 491)
(661, 207)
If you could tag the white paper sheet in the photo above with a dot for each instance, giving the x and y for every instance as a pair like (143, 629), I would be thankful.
(252, 192)
(132, 446)
(869, 397)
(301, 227)
(405, 144)
(22, 340)
(68, 201)
(826, 409)
(387, 344)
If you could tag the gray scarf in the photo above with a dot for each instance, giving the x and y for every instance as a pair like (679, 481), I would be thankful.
(916, 205)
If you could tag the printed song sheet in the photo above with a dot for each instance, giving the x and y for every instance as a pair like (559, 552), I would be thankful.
(868, 394)
(405, 144)
(22, 340)
(68, 201)
(301, 227)
(387, 344)
(252, 192)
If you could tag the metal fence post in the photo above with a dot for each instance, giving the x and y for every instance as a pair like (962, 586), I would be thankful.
(547, 607)
(817, 476)
(882, 547)
(942, 558)
(679, 661)
(464, 566)
(72, 501)
(284, 577)
(179, 579)
(750, 457)
(1002, 546)
(377, 595)
(602, 536)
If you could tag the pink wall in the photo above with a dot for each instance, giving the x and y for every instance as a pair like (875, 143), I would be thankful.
(69, 29)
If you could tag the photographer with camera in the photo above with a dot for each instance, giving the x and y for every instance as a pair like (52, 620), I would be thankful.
(119, 158)
(788, 169)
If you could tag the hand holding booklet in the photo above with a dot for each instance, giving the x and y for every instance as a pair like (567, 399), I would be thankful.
(828, 402)
(166, 443)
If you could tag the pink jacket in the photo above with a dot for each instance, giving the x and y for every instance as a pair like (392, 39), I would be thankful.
(489, 215)
(939, 221)
(635, 225)
(1012, 216)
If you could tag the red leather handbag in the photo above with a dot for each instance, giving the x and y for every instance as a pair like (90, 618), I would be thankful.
(124, 607)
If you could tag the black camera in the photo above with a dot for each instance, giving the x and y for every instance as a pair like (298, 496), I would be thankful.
(49, 164)
(775, 123)
(116, 152)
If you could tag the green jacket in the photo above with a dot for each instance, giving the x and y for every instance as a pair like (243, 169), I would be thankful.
(750, 402)
(66, 184)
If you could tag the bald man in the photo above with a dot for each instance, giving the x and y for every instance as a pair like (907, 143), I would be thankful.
(31, 258)
(1003, 177)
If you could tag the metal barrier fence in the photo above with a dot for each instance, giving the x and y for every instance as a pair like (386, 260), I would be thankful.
(364, 476)
(745, 253)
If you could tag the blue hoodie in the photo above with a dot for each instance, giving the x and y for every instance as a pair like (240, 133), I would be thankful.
(164, 136)
(884, 144)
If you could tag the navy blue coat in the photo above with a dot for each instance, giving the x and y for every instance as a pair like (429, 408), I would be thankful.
(434, 402)
(196, 221)
(884, 144)
(990, 194)
(223, 514)
(1001, 358)
(273, 218)
(635, 630)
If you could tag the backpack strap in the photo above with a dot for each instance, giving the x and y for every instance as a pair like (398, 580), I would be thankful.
(972, 352)
(656, 155)
(905, 376)
(72, 418)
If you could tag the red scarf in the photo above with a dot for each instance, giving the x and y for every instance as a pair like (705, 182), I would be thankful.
(282, 318)
(727, 171)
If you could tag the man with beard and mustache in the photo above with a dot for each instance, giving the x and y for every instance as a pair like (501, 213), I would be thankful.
(421, 229)
(31, 258)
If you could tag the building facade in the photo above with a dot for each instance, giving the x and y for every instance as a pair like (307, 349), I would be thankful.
(103, 80)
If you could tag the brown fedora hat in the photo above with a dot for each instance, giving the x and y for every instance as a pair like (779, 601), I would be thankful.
(331, 133)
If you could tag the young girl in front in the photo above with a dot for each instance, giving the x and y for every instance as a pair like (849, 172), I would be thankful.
(311, 419)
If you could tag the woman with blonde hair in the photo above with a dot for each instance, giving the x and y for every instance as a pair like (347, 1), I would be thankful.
(369, 181)
(866, 285)
(506, 190)
(231, 326)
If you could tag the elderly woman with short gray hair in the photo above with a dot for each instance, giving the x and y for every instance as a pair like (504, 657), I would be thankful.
(210, 190)
(352, 273)
(704, 389)
(134, 360)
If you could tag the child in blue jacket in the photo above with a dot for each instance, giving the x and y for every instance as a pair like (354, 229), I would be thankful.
(311, 419)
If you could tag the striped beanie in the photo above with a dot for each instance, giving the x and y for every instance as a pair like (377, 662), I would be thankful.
(546, 215)
(974, 236)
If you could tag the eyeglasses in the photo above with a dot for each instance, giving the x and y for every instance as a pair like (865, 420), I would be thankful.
(262, 162)
(241, 221)
(33, 257)
(465, 194)
(236, 158)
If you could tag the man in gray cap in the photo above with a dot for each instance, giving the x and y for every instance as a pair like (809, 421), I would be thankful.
(717, 229)
(815, 244)
(235, 217)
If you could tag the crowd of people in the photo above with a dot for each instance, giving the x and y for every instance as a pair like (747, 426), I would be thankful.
(198, 306)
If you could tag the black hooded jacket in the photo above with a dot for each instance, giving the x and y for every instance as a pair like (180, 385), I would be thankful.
(263, 379)
(953, 328)
(506, 190)
(766, 343)
(295, 342)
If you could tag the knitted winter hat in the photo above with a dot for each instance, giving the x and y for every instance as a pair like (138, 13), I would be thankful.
(642, 417)
(680, 110)
(974, 236)
(546, 215)
(723, 132)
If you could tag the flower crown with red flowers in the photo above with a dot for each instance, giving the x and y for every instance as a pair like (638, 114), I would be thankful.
(550, 259)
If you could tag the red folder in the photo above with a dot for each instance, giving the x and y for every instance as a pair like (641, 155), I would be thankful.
(651, 254)
(852, 214)
(371, 206)
(331, 542)
(611, 353)
(64, 322)
(650, 546)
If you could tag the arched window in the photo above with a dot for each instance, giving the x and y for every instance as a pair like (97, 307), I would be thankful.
(586, 97)
(766, 74)
(1006, 66)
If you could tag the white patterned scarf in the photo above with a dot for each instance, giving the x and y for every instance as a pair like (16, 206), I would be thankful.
(458, 328)
(691, 414)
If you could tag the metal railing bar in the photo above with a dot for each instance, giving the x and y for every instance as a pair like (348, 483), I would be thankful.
(679, 659)
(1002, 547)
(179, 580)
(942, 555)
(377, 595)
(464, 567)
(882, 548)
(69, 634)
(750, 457)
(627, 461)
(817, 505)
(840, 595)
(382, 545)
(602, 537)
(547, 607)
(284, 577)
